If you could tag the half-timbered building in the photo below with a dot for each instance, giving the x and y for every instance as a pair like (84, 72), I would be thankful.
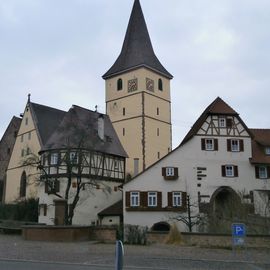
(57, 153)
(82, 167)
(220, 164)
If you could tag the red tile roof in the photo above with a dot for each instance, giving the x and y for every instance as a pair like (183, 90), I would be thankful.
(260, 141)
(218, 107)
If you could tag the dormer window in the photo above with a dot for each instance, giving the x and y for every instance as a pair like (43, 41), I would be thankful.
(267, 150)
(119, 84)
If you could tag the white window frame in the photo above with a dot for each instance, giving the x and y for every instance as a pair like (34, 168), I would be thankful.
(152, 199)
(170, 171)
(267, 150)
(134, 199)
(262, 172)
(235, 145)
(229, 170)
(54, 159)
(222, 122)
(209, 144)
(177, 199)
(73, 157)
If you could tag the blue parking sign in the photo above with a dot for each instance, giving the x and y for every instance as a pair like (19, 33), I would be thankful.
(238, 230)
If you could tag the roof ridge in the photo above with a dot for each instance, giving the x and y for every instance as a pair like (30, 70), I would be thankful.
(46, 106)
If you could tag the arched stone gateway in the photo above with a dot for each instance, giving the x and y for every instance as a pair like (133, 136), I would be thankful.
(226, 207)
(224, 201)
(161, 227)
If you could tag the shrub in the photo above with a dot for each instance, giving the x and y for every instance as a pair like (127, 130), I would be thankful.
(22, 211)
(135, 234)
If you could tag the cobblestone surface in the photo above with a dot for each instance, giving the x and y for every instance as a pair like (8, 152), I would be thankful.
(14, 247)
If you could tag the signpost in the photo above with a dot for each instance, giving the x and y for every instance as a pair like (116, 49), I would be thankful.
(238, 234)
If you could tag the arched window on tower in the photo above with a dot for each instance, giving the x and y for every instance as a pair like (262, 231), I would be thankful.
(160, 85)
(119, 84)
(23, 185)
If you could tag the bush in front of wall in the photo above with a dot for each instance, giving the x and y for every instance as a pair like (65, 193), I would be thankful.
(22, 211)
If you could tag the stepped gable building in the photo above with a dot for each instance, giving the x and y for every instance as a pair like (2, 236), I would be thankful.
(138, 97)
(221, 166)
(6, 147)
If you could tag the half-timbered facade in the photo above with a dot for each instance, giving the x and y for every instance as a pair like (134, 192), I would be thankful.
(220, 163)
(82, 165)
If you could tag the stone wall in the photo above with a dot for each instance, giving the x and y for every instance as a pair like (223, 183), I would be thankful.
(210, 240)
(69, 233)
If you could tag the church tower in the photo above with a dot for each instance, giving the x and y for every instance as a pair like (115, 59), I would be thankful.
(138, 97)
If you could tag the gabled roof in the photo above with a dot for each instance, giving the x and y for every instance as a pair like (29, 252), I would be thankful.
(137, 50)
(260, 141)
(46, 120)
(217, 107)
(113, 210)
(79, 129)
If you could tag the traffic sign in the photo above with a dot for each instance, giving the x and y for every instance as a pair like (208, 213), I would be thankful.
(238, 230)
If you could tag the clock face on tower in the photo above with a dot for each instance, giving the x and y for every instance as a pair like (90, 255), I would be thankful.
(149, 84)
(132, 85)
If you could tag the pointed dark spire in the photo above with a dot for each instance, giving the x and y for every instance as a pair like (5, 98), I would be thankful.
(137, 50)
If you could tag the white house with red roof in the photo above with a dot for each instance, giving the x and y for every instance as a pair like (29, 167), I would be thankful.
(220, 163)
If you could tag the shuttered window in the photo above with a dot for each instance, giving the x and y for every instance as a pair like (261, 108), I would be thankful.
(170, 173)
(235, 145)
(262, 172)
(229, 171)
(209, 144)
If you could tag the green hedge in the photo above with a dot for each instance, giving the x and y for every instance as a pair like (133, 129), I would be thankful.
(22, 211)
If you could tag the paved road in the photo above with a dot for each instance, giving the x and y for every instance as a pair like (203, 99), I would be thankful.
(158, 264)
(17, 254)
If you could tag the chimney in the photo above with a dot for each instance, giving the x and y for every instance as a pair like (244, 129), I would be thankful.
(101, 127)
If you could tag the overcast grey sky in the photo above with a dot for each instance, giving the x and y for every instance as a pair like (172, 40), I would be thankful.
(58, 50)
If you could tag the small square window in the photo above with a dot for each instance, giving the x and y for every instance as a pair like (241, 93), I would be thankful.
(169, 171)
(22, 138)
(152, 199)
(29, 135)
(134, 199)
